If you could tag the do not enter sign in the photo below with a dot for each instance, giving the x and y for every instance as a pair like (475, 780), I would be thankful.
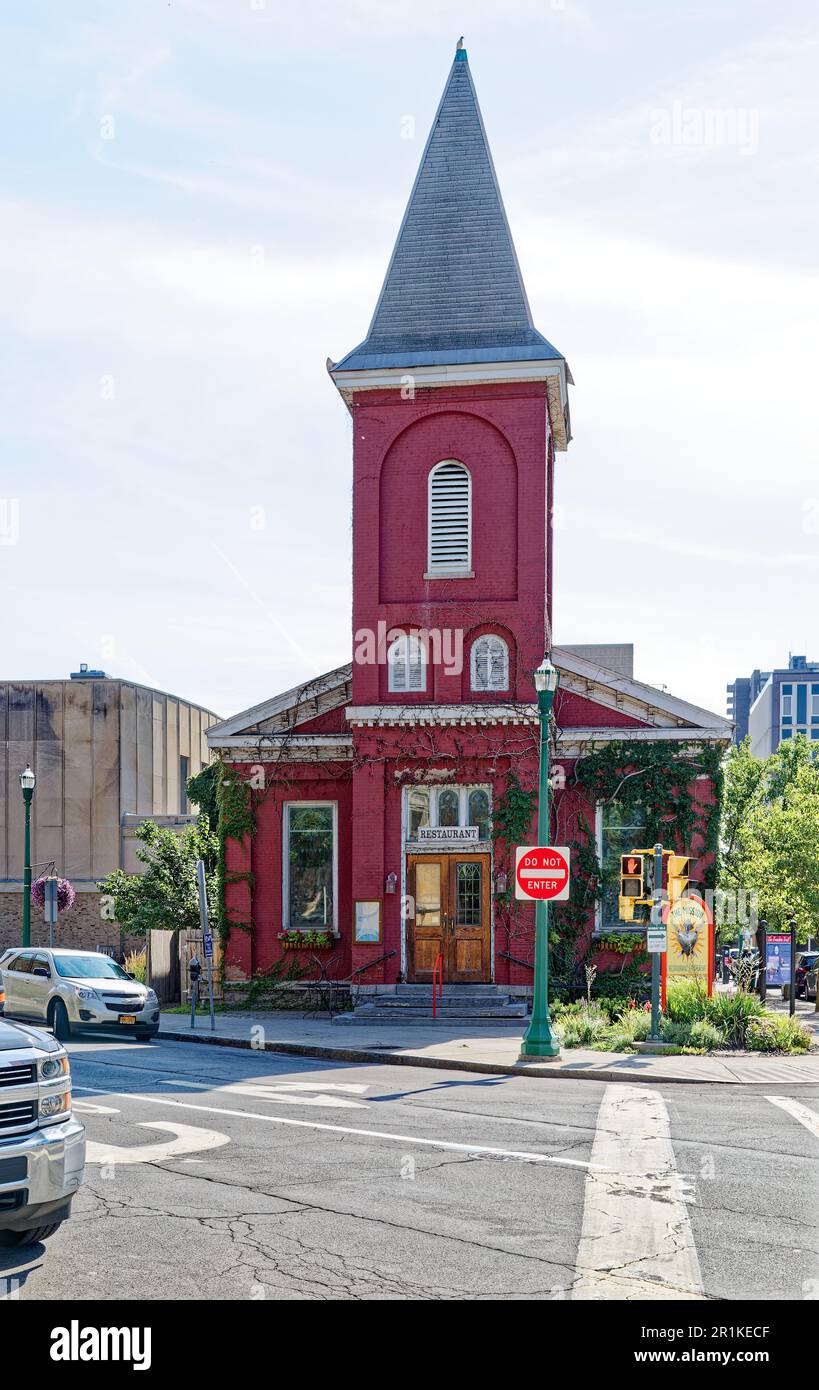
(542, 871)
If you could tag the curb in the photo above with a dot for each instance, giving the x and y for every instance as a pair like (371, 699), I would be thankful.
(406, 1059)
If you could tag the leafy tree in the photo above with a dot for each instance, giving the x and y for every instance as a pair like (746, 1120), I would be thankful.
(769, 840)
(165, 897)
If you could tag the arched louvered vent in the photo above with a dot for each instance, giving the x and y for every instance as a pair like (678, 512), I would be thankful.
(450, 519)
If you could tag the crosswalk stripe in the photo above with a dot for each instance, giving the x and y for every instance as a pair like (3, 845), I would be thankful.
(800, 1112)
(636, 1240)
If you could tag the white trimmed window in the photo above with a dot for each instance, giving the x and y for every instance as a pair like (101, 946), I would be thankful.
(310, 864)
(450, 519)
(489, 663)
(406, 664)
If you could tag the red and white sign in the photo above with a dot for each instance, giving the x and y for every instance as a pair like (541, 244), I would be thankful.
(542, 872)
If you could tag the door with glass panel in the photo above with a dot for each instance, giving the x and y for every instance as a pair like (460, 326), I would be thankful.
(449, 917)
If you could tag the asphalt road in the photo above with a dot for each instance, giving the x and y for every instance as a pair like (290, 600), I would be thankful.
(220, 1173)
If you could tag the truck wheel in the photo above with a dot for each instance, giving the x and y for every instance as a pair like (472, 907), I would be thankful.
(14, 1239)
(59, 1021)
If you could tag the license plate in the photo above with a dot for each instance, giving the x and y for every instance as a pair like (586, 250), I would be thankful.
(127, 1018)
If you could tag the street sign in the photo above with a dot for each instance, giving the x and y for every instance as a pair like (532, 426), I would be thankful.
(542, 873)
(208, 943)
(656, 940)
(50, 904)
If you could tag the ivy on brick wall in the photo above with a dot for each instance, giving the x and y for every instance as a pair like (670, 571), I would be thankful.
(657, 779)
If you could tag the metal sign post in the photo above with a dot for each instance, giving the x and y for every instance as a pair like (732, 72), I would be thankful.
(207, 938)
(656, 955)
(792, 990)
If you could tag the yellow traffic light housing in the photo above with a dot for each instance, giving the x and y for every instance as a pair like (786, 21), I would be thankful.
(632, 884)
(678, 875)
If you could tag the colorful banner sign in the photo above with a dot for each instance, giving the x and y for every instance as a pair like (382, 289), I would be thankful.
(778, 959)
(690, 951)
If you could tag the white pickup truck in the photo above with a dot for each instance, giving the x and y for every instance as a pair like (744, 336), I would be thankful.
(42, 1145)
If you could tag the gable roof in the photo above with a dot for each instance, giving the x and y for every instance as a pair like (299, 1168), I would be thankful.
(615, 690)
(283, 712)
(453, 291)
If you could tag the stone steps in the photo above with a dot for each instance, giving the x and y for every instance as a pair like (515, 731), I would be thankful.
(472, 1006)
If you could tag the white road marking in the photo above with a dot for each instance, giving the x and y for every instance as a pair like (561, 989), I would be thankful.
(187, 1139)
(447, 1144)
(285, 1093)
(636, 1240)
(800, 1112)
(87, 1108)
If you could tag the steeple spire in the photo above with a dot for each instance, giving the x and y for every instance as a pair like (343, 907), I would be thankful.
(453, 292)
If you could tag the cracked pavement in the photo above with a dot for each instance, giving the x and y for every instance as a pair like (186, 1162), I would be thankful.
(433, 1186)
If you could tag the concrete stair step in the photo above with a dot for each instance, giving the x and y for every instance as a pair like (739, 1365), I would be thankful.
(417, 1019)
(442, 1014)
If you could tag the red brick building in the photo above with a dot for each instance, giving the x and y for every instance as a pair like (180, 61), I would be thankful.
(375, 788)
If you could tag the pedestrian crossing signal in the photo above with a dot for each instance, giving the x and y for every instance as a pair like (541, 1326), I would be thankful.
(632, 884)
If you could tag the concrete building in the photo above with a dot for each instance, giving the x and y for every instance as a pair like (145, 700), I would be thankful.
(108, 754)
(783, 703)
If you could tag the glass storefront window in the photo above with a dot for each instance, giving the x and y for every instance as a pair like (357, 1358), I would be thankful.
(620, 831)
(309, 851)
(418, 811)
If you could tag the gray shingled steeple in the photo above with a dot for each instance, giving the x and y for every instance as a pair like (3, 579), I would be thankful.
(453, 292)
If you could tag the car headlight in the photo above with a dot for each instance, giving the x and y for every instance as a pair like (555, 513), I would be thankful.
(150, 997)
(50, 1106)
(52, 1068)
(85, 993)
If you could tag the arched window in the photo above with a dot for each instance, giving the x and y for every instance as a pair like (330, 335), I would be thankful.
(450, 519)
(489, 663)
(449, 807)
(406, 664)
(479, 812)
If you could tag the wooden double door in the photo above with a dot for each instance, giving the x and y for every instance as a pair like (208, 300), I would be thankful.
(450, 917)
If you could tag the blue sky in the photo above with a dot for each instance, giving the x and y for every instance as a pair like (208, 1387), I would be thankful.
(199, 201)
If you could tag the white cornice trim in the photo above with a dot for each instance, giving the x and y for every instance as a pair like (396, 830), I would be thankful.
(285, 748)
(616, 691)
(571, 743)
(550, 370)
(387, 716)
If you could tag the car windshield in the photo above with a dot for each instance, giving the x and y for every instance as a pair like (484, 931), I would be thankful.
(89, 968)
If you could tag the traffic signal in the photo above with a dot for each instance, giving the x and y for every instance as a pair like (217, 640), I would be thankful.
(679, 866)
(632, 884)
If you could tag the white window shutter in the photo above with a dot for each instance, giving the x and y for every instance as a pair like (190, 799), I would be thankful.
(450, 517)
(489, 663)
(406, 665)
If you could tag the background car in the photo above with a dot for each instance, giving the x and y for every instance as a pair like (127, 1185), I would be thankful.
(810, 981)
(76, 990)
(805, 962)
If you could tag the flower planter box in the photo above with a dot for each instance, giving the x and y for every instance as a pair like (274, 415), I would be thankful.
(288, 945)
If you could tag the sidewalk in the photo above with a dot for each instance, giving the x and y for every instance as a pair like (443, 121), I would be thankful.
(478, 1050)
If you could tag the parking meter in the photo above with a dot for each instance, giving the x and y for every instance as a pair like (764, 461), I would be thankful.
(195, 971)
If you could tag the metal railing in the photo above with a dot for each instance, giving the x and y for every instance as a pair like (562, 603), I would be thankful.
(437, 981)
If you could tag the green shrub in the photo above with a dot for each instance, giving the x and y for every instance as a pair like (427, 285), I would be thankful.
(674, 1031)
(706, 1035)
(731, 1013)
(585, 1028)
(686, 1000)
(777, 1033)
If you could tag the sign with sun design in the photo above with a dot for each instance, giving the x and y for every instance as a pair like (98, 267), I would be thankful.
(690, 951)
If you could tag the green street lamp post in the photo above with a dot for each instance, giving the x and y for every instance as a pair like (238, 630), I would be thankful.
(27, 783)
(539, 1041)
